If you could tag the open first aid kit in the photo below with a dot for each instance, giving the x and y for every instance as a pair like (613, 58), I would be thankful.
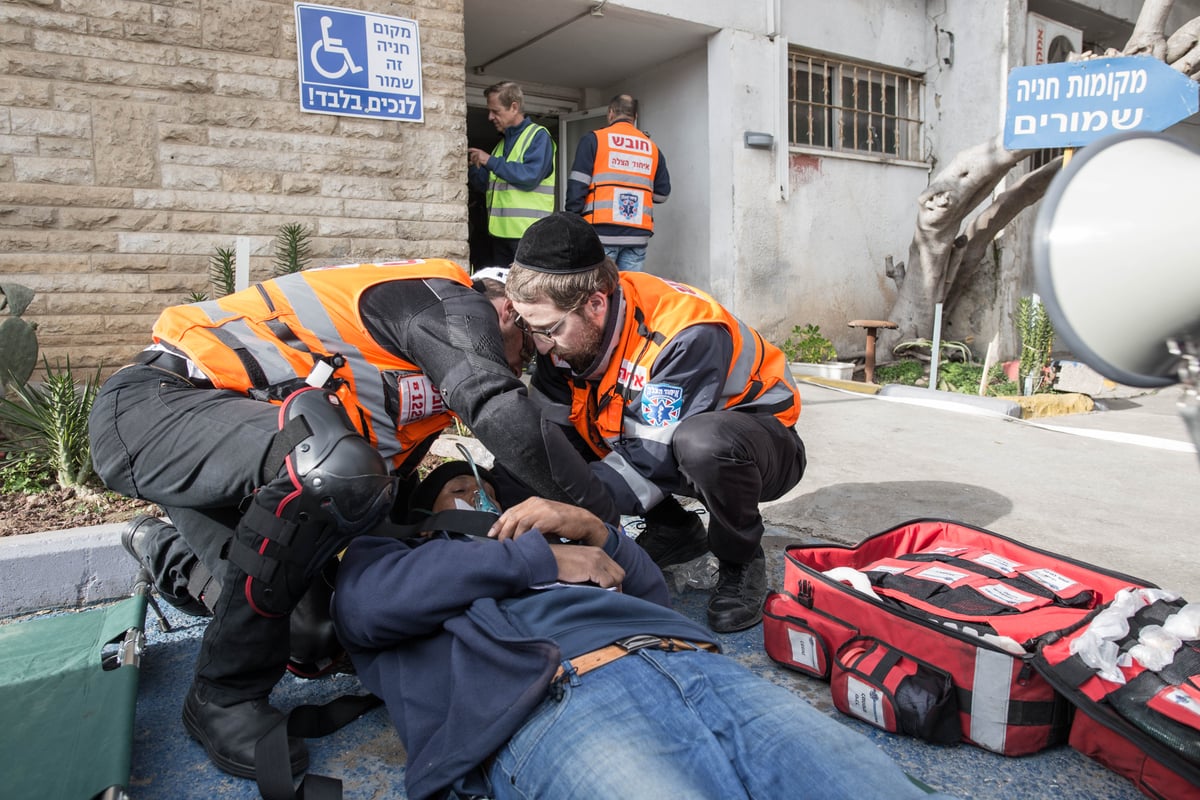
(949, 632)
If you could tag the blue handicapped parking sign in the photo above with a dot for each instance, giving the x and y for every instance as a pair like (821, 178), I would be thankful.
(354, 63)
(332, 56)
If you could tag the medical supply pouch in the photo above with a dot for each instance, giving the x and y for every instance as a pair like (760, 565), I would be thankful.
(895, 691)
(960, 600)
(1131, 668)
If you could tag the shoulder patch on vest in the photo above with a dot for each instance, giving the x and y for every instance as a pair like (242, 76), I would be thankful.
(662, 404)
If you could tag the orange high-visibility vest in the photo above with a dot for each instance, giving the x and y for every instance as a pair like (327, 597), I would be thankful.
(274, 333)
(622, 187)
(656, 310)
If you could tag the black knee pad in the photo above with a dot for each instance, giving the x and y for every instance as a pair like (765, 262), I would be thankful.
(339, 476)
(332, 485)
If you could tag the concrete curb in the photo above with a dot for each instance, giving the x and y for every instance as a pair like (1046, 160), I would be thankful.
(952, 401)
(63, 569)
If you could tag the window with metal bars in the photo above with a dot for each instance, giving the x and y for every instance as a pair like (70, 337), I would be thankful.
(844, 106)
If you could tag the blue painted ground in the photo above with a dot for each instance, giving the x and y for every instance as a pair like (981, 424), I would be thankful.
(369, 759)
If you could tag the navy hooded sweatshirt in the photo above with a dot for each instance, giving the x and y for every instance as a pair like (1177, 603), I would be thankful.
(453, 636)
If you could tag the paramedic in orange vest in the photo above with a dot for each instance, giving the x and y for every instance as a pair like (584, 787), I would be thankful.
(671, 393)
(274, 424)
(619, 175)
(518, 176)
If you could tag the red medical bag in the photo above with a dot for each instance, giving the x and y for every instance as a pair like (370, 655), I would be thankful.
(949, 632)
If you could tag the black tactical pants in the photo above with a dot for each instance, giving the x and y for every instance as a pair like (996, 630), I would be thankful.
(198, 453)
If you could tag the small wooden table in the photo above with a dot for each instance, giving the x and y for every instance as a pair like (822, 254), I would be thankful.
(872, 327)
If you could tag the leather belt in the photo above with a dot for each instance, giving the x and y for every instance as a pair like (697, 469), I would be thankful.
(583, 664)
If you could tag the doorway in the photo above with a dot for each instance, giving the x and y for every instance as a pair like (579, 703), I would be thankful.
(572, 127)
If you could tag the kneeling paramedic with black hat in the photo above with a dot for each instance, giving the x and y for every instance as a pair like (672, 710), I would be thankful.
(671, 392)
(276, 423)
(545, 663)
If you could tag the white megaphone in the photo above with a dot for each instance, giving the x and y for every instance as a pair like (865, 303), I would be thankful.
(1117, 258)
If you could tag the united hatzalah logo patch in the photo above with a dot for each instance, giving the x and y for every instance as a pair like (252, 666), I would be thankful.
(628, 207)
(662, 404)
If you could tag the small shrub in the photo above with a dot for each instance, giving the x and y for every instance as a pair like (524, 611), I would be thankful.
(291, 249)
(907, 372)
(221, 271)
(955, 376)
(1005, 388)
(48, 423)
(23, 474)
(808, 345)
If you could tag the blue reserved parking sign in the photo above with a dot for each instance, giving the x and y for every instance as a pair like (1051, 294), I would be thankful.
(358, 64)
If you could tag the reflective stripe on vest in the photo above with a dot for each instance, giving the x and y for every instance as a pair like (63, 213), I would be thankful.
(758, 377)
(511, 210)
(622, 187)
(272, 333)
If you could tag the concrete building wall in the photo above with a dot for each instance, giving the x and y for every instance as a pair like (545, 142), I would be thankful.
(674, 109)
(136, 138)
(808, 231)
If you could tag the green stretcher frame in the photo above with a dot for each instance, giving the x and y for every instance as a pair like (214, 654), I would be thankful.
(68, 690)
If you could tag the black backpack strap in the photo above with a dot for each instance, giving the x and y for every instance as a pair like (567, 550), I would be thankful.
(273, 769)
(457, 520)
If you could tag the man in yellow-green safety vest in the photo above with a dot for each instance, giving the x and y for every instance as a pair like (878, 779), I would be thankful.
(518, 176)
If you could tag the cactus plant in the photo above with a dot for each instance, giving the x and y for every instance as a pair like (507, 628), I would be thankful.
(18, 337)
(1037, 340)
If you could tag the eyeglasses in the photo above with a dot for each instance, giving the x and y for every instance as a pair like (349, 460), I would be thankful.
(545, 336)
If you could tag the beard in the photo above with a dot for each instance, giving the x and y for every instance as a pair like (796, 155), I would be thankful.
(583, 354)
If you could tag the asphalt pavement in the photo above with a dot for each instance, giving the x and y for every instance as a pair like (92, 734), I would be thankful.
(1118, 488)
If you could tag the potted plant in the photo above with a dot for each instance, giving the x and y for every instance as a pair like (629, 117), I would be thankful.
(809, 352)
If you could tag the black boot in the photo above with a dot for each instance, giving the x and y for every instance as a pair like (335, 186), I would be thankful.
(672, 535)
(178, 575)
(737, 602)
(230, 733)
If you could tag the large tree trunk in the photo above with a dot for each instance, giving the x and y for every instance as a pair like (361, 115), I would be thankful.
(944, 256)
(936, 253)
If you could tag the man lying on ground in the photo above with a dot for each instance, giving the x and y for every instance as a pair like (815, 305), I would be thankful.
(551, 666)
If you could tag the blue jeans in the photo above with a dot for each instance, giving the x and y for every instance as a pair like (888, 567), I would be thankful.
(627, 259)
(689, 724)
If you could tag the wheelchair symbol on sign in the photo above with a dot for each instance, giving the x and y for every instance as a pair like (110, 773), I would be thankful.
(332, 45)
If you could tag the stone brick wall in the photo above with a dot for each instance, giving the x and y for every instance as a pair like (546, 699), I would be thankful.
(137, 137)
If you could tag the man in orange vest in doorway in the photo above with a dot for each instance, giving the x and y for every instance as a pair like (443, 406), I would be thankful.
(518, 176)
(669, 393)
(276, 423)
(619, 175)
